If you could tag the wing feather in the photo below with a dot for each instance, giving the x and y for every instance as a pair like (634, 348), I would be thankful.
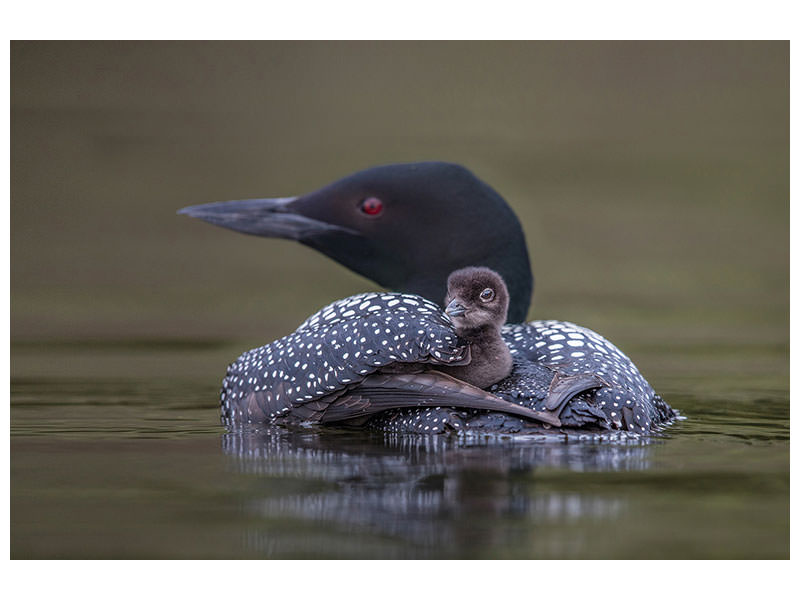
(386, 391)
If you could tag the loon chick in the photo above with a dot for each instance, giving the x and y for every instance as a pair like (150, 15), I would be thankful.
(477, 303)
(376, 352)
(406, 227)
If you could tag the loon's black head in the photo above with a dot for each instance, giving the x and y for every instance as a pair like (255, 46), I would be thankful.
(405, 226)
(477, 300)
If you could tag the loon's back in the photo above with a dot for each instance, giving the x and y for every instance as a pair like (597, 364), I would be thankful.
(372, 353)
(367, 355)
(623, 402)
(627, 401)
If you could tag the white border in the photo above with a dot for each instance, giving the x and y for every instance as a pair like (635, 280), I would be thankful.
(410, 19)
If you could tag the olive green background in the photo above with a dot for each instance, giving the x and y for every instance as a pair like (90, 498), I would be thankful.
(651, 178)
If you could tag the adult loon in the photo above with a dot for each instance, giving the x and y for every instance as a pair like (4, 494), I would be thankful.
(406, 227)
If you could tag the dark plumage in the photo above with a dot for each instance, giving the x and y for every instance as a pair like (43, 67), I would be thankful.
(375, 352)
(407, 227)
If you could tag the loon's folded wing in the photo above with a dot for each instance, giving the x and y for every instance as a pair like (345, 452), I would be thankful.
(335, 349)
(565, 387)
(385, 391)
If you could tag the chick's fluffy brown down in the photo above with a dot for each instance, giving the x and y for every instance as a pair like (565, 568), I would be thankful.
(477, 302)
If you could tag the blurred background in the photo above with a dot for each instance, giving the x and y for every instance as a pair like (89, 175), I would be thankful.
(651, 179)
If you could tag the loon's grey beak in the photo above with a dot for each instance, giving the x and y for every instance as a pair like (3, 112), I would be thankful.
(266, 217)
(454, 309)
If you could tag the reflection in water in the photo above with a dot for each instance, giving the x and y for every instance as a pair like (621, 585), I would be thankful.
(430, 492)
(334, 455)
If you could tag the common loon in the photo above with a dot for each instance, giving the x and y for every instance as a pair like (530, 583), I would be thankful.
(406, 227)
(372, 353)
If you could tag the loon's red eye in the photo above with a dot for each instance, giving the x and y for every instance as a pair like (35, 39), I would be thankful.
(372, 206)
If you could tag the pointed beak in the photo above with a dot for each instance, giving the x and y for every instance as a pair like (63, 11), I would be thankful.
(266, 217)
(455, 309)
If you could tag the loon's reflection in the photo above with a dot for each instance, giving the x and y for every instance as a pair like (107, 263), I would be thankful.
(440, 496)
(332, 454)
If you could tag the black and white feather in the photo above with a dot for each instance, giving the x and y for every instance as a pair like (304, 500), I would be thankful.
(339, 345)
(569, 370)
(628, 402)
(355, 358)
(366, 355)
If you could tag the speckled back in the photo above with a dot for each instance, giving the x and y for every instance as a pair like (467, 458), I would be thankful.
(336, 347)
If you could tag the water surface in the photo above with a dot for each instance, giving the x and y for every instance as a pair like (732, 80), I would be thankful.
(137, 466)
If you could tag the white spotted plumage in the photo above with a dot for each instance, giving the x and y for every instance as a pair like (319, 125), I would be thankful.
(546, 343)
(337, 346)
(349, 339)
(578, 350)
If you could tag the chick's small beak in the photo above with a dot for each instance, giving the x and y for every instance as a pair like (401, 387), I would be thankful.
(455, 309)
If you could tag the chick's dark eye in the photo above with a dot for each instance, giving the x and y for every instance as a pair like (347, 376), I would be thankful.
(487, 294)
(372, 206)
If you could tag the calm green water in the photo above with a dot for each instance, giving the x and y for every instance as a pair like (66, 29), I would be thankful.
(652, 181)
(135, 467)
